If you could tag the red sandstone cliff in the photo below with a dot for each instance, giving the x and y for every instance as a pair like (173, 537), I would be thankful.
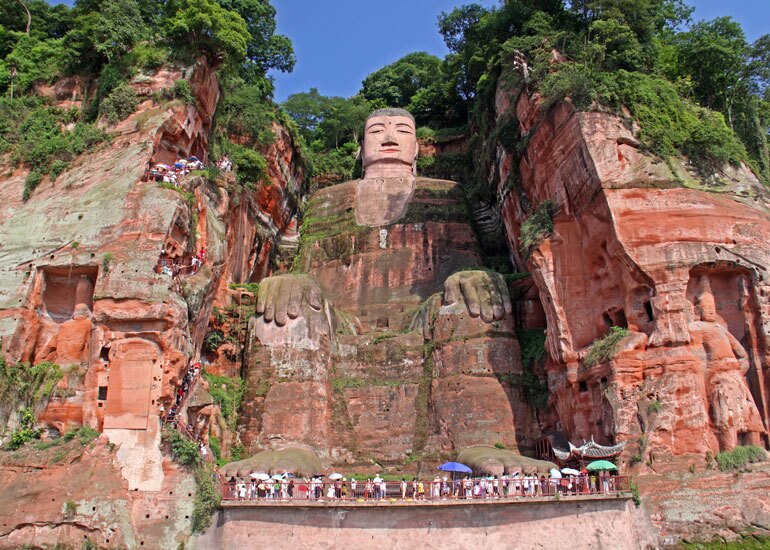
(637, 243)
(648, 246)
(80, 286)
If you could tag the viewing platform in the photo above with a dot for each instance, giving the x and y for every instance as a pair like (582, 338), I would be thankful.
(445, 522)
(460, 493)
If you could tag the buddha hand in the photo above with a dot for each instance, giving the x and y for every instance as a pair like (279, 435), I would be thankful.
(281, 297)
(485, 293)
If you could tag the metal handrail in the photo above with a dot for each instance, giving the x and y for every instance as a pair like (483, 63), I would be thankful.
(303, 490)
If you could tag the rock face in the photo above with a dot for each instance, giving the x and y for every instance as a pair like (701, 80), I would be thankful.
(81, 286)
(643, 245)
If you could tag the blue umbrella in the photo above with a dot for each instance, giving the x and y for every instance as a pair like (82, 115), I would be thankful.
(178, 165)
(455, 467)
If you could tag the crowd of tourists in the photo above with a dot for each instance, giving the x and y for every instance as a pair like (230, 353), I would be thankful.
(174, 173)
(178, 267)
(285, 487)
(189, 379)
(172, 416)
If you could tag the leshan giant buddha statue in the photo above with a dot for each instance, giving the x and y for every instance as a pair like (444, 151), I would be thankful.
(390, 340)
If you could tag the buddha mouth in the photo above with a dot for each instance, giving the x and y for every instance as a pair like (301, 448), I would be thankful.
(389, 150)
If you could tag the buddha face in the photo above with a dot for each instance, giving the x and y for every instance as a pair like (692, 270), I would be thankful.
(390, 146)
(707, 307)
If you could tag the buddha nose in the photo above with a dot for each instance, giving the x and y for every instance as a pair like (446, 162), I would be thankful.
(389, 139)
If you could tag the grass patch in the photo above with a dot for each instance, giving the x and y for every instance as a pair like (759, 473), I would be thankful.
(533, 355)
(31, 182)
(603, 349)
(69, 509)
(106, 260)
(120, 103)
(346, 383)
(635, 496)
(381, 337)
(25, 432)
(207, 498)
(184, 451)
(740, 457)
(746, 542)
(448, 166)
(84, 435)
(189, 197)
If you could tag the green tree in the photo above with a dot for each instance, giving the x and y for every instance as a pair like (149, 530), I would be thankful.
(118, 27)
(265, 50)
(344, 119)
(326, 122)
(246, 112)
(205, 27)
(47, 21)
(307, 109)
(396, 84)
(35, 60)
(713, 54)
(719, 69)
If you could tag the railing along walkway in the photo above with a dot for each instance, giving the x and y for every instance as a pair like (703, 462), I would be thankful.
(300, 491)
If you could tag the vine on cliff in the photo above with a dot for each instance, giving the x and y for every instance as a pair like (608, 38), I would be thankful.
(227, 392)
(26, 386)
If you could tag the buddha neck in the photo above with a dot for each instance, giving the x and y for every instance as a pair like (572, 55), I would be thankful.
(389, 170)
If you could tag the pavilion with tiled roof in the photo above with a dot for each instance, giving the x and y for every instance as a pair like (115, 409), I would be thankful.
(557, 448)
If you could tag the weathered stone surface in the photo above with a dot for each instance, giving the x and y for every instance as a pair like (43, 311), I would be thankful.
(601, 524)
(631, 248)
(38, 487)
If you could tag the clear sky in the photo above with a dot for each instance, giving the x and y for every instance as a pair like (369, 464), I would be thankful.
(339, 42)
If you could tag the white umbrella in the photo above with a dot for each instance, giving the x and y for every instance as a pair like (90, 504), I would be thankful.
(555, 473)
(570, 471)
(335, 476)
(278, 477)
(260, 476)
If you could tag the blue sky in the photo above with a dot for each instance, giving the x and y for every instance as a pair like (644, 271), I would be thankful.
(339, 42)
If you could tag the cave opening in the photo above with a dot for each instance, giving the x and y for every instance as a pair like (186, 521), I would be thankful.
(65, 287)
(648, 310)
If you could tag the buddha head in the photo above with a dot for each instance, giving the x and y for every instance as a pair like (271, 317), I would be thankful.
(390, 144)
(706, 302)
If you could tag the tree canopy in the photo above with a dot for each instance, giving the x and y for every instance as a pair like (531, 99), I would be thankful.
(238, 35)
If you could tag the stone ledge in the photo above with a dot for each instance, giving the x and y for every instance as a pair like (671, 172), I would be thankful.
(398, 503)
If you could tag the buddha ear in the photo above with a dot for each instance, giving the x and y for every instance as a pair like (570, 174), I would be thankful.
(360, 158)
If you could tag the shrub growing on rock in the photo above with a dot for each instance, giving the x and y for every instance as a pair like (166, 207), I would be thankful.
(184, 451)
(537, 227)
(603, 349)
(120, 103)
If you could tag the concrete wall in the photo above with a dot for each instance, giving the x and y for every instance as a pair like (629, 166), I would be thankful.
(569, 523)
